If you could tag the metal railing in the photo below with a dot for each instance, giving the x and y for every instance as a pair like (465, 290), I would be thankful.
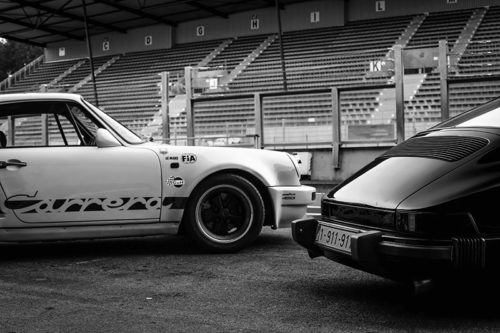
(21, 74)
(246, 141)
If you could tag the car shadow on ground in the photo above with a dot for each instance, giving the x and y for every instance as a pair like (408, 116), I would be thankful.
(460, 299)
(160, 245)
(153, 245)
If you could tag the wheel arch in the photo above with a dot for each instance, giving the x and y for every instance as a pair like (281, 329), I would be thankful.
(256, 181)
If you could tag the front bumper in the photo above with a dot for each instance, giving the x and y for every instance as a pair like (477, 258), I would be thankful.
(290, 203)
(401, 257)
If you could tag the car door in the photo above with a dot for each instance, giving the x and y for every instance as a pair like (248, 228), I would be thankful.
(72, 181)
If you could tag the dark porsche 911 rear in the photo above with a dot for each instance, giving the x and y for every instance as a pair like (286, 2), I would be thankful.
(427, 207)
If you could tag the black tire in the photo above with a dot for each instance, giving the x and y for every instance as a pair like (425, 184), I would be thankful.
(225, 213)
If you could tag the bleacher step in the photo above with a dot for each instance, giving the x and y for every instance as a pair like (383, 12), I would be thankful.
(248, 60)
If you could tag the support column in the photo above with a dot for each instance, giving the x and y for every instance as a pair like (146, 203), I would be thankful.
(165, 107)
(336, 139)
(259, 120)
(400, 96)
(11, 132)
(443, 79)
(189, 106)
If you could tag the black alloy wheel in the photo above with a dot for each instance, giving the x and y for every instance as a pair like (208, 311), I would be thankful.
(225, 213)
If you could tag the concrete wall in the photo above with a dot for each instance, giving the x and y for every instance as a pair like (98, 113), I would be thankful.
(294, 17)
(351, 160)
(366, 9)
(133, 40)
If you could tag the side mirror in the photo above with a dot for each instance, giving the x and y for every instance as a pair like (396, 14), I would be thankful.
(104, 139)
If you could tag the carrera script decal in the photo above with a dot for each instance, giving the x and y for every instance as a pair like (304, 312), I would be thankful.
(28, 204)
(175, 202)
(16, 201)
(78, 205)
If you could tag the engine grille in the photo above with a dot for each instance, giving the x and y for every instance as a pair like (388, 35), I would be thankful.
(469, 253)
(378, 218)
(446, 148)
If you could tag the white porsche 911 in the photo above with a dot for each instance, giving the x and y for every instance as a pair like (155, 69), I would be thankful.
(69, 171)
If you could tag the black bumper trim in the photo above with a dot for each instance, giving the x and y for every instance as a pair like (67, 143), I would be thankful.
(368, 247)
(469, 253)
(304, 233)
(362, 246)
(435, 252)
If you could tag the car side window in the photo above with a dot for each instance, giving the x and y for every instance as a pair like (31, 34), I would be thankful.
(61, 131)
(3, 132)
(85, 126)
(27, 131)
(46, 124)
(82, 117)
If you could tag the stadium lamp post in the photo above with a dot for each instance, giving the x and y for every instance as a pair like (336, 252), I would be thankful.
(280, 38)
(89, 50)
(400, 95)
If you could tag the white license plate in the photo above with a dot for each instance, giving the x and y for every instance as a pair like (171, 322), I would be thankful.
(334, 238)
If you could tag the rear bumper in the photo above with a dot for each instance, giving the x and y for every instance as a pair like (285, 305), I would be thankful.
(290, 203)
(401, 257)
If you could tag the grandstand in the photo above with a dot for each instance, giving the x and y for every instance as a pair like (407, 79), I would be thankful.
(129, 88)
(128, 83)
(424, 108)
(44, 74)
(322, 57)
(440, 26)
(315, 58)
(481, 58)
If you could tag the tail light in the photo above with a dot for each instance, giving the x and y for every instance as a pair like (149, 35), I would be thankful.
(436, 224)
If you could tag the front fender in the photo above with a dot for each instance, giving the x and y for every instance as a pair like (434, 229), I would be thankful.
(183, 168)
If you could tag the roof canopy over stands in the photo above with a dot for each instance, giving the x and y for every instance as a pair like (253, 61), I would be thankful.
(49, 21)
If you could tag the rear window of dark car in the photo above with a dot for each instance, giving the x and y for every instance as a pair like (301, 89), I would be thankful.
(485, 115)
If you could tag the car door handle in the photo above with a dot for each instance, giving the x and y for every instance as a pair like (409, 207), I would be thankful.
(4, 164)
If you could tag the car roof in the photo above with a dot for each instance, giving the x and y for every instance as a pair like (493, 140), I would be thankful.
(17, 97)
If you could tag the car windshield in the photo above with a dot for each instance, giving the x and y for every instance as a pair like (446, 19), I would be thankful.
(125, 133)
(485, 115)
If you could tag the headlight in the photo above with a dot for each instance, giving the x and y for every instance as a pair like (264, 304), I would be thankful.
(436, 224)
(295, 164)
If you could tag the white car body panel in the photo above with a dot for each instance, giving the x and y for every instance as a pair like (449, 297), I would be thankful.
(78, 192)
(273, 169)
(82, 185)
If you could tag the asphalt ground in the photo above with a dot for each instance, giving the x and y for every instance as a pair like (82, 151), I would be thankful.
(163, 284)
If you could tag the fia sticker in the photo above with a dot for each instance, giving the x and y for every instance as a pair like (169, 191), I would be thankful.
(288, 196)
(176, 181)
(189, 158)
